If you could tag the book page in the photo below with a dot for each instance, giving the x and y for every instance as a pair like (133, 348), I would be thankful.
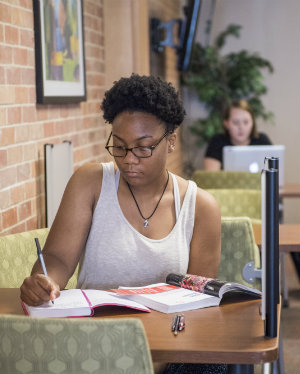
(98, 298)
(70, 303)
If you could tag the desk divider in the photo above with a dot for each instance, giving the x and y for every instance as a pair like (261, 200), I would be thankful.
(270, 245)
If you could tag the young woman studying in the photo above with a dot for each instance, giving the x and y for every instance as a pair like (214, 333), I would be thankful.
(239, 129)
(132, 224)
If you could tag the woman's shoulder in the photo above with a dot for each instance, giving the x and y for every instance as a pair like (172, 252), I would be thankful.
(87, 178)
(262, 139)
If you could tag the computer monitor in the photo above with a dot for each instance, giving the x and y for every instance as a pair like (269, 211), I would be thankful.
(251, 158)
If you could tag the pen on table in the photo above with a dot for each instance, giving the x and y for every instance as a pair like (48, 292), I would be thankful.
(41, 259)
(178, 316)
(174, 323)
(181, 323)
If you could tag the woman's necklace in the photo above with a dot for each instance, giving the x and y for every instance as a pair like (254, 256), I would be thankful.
(146, 223)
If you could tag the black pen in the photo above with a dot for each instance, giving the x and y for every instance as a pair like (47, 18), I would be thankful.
(41, 259)
(174, 323)
(178, 316)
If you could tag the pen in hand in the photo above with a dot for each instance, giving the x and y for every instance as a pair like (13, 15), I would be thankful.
(41, 259)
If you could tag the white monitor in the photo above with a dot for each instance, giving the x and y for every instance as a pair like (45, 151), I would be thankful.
(251, 158)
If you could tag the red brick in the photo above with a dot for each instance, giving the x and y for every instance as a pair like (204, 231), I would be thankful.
(2, 118)
(8, 177)
(14, 155)
(11, 35)
(13, 75)
(22, 95)
(35, 131)
(24, 210)
(4, 199)
(32, 223)
(28, 114)
(29, 152)
(1, 32)
(49, 129)
(30, 58)
(9, 218)
(22, 133)
(28, 76)
(7, 95)
(27, 38)
(20, 56)
(6, 58)
(5, 13)
(42, 113)
(13, 115)
(7, 136)
(2, 74)
(3, 158)
(32, 95)
(37, 168)
(16, 229)
(17, 194)
(23, 172)
(22, 18)
(26, 4)
(30, 190)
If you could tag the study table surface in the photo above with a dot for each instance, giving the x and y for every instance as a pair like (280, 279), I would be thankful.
(290, 190)
(289, 237)
(232, 333)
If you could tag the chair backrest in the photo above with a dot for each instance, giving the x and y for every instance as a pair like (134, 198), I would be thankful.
(227, 179)
(18, 254)
(239, 203)
(238, 249)
(73, 345)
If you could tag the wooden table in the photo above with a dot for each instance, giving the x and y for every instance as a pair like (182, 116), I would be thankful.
(289, 237)
(232, 333)
(290, 190)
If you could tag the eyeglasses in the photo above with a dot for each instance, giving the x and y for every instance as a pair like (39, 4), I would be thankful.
(140, 152)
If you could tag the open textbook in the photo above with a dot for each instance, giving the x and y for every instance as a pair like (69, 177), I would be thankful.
(169, 298)
(163, 297)
(80, 303)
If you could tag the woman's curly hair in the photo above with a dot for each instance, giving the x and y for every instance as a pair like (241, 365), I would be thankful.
(144, 94)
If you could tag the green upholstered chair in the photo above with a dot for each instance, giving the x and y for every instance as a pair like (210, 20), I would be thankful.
(238, 249)
(18, 254)
(73, 345)
(239, 203)
(227, 179)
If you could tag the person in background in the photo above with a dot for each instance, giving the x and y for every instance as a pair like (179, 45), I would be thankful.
(239, 129)
(133, 222)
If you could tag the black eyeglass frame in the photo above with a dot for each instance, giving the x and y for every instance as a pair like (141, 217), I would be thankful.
(151, 148)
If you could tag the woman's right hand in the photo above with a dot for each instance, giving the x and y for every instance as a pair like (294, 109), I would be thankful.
(38, 289)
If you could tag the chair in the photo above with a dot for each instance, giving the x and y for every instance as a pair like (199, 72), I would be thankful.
(239, 203)
(73, 346)
(227, 179)
(18, 254)
(238, 249)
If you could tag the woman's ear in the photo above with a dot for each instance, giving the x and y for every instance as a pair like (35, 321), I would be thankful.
(171, 142)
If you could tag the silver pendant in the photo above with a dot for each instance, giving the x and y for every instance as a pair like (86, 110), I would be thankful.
(146, 224)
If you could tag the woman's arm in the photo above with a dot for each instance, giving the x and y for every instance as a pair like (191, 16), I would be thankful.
(67, 237)
(212, 164)
(206, 242)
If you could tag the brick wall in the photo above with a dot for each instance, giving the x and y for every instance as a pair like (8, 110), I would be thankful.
(25, 126)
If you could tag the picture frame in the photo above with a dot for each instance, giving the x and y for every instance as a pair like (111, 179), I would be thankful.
(59, 51)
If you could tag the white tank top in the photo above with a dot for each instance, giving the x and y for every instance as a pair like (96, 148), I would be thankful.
(116, 254)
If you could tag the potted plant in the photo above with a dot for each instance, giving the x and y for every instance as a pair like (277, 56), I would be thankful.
(218, 79)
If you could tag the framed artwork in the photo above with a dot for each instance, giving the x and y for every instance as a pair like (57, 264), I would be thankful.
(59, 51)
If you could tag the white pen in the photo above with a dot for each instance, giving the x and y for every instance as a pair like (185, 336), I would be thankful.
(41, 258)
